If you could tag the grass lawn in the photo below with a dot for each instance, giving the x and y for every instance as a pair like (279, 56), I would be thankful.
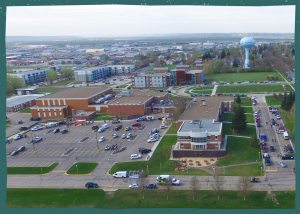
(63, 82)
(289, 121)
(245, 101)
(8, 124)
(204, 88)
(198, 92)
(173, 129)
(158, 88)
(226, 130)
(255, 88)
(239, 151)
(159, 162)
(132, 199)
(242, 77)
(31, 170)
(27, 110)
(228, 117)
(103, 116)
(83, 168)
(122, 86)
(171, 67)
(48, 89)
(271, 101)
(248, 109)
(252, 169)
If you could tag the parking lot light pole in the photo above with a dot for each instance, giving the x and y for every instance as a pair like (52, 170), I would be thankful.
(261, 170)
(97, 142)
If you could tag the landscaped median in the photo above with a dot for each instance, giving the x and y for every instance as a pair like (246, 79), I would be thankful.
(173, 129)
(81, 168)
(133, 199)
(159, 162)
(103, 116)
(30, 170)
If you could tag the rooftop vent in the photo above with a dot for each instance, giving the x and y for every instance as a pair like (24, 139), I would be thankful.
(204, 103)
(140, 102)
(118, 102)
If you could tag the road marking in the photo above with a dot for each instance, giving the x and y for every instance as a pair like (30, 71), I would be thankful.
(271, 170)
(59, 171)
(22, 164)
(293, 172)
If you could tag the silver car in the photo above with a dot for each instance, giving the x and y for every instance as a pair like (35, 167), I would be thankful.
(124, 136)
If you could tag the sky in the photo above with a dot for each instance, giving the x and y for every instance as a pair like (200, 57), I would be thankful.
(129, 20)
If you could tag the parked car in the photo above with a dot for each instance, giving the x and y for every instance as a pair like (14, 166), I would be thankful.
(23, 128)
(37, 139)
(160, 118)
(287, 157)
(163, 126)
(243, 95)
(36, 128)
(151, 140)
(135, 156)
(19, 136)
(95, 127)
(281, 163)
(257, 119)
(91, 185)
(115, 135)
(134, 186)
(21, 149)
(278, 117)
(56, 130)
(64, 131)
(156, 135)
(154, 131)
(143, 151)
(102, 139)
(258, 124)
(127, 128)
(272, 149)
(136, 124)
(124, 136)
(35, 119)
(140, 119)
(101, 129)
(129, 136)
(273, 121)
(290, 150)
(14, 153)
(151, 186)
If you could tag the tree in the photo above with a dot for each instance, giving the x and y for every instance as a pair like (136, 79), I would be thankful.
(12, 83)
(268, 78)
(284, 101)
(235, 64)
(207, 66)
(51, 75)
(239, 122)
(219, 64)
(238, 99)
(223, 54)
(143, 182)
(293, 52)
(254, 143)
(276, 78)
(275, 96)
(228, 53)
(167, 187)
(67, 73)
(181, 103)
(217, 184)
(280, 96)
(244, 185)
(194, 185)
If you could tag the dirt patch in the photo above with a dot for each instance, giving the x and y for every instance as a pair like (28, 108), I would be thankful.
(110, 193)
(272, 197)
(180, 169)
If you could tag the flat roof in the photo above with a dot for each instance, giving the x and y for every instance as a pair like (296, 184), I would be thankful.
(16, 100)
(206, 125)
(91, 68)
(209, 111)
(48, 107)
(194, 71)
(31, 71)
(154, 74)
(161, 69)
(77, 93)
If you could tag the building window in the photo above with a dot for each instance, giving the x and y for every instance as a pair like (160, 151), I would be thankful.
(184, 137)
(198, 139)
(216, 137)
(208, 138)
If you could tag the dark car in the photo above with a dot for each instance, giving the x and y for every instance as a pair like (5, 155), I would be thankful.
(290, 150)
(119, 126)
(258, 124)
(239, 82)
(35, 119)
(14, 153)
(272, 149)
(64, 131)
(169, 91)
(160, 118)
(91, 185)
(23, 128)
(20, 122)
(61, 122)
(287, 157)
(56, 131)
(95, 127)
(22, 148)
(150, 186)
(154, 131)
(144, 151)
(243, 95)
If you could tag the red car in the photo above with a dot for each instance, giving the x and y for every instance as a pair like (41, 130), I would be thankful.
(136, 124)
(257, 119)
(261, 82)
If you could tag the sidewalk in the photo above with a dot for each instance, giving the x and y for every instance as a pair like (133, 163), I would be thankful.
(214, 90)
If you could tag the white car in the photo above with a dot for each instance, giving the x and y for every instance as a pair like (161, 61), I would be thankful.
(115, 135)
(36, 128)
(17, 137)
(101, 129)
(129, 136)
(37, 139)
(135, 156)
(124, 136)
(163, 127)
(102, 139)
(134, 186)
(156, 136)
(278, 117)
(151, 140)
(281, 163)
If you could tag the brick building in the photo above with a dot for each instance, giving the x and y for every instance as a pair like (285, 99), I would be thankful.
(60, 104)
(150, 80)
(18, 103)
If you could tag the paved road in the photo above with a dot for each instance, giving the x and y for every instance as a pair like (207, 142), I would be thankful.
(14, 117)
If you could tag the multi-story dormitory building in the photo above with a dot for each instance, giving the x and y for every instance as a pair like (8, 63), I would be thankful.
(91, 74)
(30, 76)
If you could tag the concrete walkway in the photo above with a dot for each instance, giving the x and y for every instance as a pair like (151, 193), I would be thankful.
(214, 90)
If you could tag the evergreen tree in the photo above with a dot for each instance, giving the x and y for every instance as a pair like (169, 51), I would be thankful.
(223, 54)
(290, 101)
(209, 56)
(228, 53)
(284, 102)
(293, 52)
(235, 64)
(260, 50)
(238, 99)
(239, 120)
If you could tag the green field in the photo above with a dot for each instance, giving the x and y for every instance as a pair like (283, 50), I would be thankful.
(48, 89)
(8, 124)
(83, 168)
(245, 101)
(289, 122)
(173, 130)
(198, 92)
(252, 169)
(31, 170)
(239, 151)
(27, 110)
(226, 130)
(132, 199)
(228, 117)
(122, 86)
(158, 88)
(10, 69)
(159, 162)
(271, 102)
(242, 77)
(255, 88)
(103, 116)
(63, 82)
(248, 109)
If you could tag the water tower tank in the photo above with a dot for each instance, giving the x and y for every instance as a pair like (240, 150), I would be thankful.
(247, 43)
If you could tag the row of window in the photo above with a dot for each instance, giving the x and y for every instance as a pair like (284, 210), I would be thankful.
(198, 139)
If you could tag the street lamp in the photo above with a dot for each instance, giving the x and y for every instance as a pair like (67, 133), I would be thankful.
(77, 168)
(97, 142)
(32, 142)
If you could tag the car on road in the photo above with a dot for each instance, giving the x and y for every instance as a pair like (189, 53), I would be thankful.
(19, 136)
(102, 139)
(129, 136)
(91, 185)
(134, 186)
(272, 149)
(135, 156)
(22, 148)
(64, 131)
(160, 118)
(287, 157)
(273, 121)
(143, 151)
(56, 130)
(115, 135)
(136, 124)
(124, 136)
(23, 128)
(14, 153)
(151, 186)
(38, 139)
(95, 127)
(36, 128)
(257, 119)
(127, 128)
(163, 126)
(281, 163)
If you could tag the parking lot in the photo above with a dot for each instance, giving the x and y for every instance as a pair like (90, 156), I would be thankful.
(52, 147)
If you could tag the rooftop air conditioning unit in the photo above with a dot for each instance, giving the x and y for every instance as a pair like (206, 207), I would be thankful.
(140, 102)
(204, 103)
(118, 102)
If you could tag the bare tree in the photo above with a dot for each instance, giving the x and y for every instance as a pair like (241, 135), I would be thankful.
(217, 184)
(167, 187)
(245, 185)
(194, 185)
(181, 103)
(143, 182)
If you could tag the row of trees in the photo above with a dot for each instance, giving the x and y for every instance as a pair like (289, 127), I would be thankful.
(66, 73)
(12, 83)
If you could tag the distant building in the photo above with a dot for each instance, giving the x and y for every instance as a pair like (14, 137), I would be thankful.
(151, 80)
(30, 76)
(18, 103)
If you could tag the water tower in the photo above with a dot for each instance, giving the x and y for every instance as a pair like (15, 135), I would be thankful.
(247, 43)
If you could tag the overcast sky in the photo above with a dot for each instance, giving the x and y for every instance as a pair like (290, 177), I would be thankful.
(127, 20)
